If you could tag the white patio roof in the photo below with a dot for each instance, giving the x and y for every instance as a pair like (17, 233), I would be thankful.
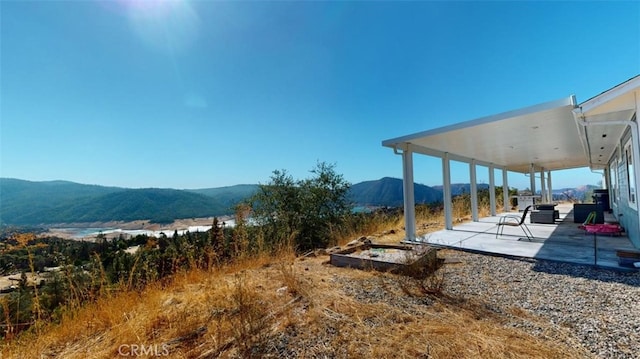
(545, 135)
(548, 135)
(609, 110)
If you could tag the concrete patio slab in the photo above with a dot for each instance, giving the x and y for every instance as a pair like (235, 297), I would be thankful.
(562, 241)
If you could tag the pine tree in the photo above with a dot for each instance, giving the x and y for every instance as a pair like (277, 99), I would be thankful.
(217, 239)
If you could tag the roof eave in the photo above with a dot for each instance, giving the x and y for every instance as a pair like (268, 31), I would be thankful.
(610, 94)
(568, 101)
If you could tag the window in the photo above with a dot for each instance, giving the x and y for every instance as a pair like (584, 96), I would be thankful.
(631, 178)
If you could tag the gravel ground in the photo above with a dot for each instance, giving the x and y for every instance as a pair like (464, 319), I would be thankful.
(598, 308)
(601, 307)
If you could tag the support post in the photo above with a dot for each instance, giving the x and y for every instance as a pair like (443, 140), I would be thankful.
(549, 188)
(409, 195)
(446, 191)
(532, 179)
(474, 191)
(543, 187)
(505, 191)
(492, 190)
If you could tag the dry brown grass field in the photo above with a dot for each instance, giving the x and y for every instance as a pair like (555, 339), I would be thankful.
(287, 306)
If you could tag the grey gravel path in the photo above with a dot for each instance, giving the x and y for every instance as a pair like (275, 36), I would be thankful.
(600, 307)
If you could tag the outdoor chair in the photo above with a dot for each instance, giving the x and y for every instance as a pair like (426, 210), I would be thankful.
(515, 221)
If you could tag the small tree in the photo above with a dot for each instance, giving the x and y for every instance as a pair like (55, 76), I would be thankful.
(240, 237)
(216, 239)
(276, 207)
(324, 206)
(305, 210)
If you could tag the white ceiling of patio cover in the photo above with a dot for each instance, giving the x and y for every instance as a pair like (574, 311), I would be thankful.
(545, 135)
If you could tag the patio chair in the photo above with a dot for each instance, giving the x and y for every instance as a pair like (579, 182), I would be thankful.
(515, 221)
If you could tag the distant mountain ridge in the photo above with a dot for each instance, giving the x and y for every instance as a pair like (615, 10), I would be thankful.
(578, 193)
(43, 203)
(228, 196)
(388, 191)
(30, 203)
(461, 188)
(34, 203)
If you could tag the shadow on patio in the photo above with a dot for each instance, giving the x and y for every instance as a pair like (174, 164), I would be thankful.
(561, 242)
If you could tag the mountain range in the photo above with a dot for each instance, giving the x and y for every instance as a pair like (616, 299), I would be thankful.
(51, 202)
(387, 191)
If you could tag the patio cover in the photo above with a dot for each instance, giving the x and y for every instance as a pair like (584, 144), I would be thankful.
(605, 118)
(549, 136)
(545, 135)
(553, 135)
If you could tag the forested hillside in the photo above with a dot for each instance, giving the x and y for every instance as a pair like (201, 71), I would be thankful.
(462, 188)
(41, 203)
(229, 196)
(29, 203)
(387, 191)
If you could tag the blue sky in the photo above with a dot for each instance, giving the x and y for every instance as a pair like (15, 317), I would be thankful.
(195, 94)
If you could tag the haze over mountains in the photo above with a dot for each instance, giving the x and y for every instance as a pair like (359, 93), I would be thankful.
(51, 202)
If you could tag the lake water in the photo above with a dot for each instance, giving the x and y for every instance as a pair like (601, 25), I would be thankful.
(78, 233)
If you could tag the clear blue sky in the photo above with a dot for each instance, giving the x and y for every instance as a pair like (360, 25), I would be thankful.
(195, 94)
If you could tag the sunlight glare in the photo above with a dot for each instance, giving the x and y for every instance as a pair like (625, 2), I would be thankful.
(170, 26)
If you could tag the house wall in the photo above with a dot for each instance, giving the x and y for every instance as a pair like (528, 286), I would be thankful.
(625, 210)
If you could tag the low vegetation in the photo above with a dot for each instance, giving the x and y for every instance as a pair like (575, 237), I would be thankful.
(247, 291)
(283, 305)
(305, 211)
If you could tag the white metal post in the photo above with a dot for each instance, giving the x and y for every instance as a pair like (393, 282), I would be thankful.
(473, 190)
(409, 196)
(505, 191)
(543, 187)
(446, 187)
(635, 144)
(532, 179)
(492, 190)
(549, 188)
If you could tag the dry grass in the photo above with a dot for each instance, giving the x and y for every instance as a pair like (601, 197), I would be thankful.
(285, 307)
(391, 229)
